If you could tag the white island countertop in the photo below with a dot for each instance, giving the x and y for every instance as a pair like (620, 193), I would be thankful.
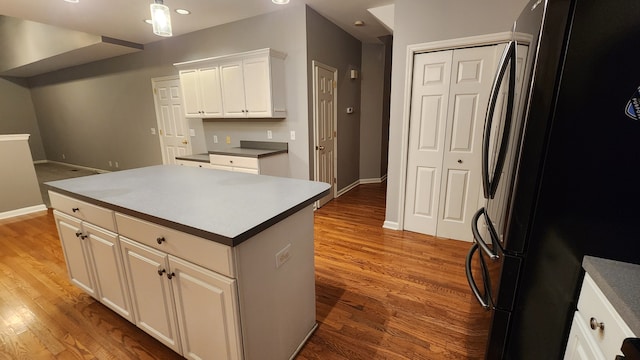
(223, 206)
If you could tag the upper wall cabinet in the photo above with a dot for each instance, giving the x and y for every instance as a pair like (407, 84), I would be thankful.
(245, 85)
(201, 92)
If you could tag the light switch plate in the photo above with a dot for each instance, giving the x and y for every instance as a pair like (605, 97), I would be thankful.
(293, 135)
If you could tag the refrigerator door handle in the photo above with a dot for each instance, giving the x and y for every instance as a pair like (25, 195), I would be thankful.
(482, 299)
(490, 185)
(493, 254)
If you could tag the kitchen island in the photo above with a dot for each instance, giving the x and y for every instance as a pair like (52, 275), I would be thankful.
(214, 264)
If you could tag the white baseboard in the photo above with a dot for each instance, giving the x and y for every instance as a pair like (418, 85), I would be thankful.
(40, 161)
(347, 188)
(23, 211)
(101, 171)
(391, 225)
(373, 180)
(359, 182)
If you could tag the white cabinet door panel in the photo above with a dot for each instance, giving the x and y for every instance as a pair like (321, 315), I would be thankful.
(232, 79)
(109, 270)
(257, 87)
(210, 92)
(76, 253)
(207, 312)
(190, 92)
(151, 292)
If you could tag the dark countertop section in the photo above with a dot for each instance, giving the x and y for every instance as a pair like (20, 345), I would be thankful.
(256, 149)
(196, 157)
(223, 206)
(620, 283)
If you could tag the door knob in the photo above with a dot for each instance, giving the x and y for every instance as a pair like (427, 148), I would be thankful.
(185, 142)
(320, 147)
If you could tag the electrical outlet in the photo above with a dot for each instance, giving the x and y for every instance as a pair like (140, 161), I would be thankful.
(110, 163)
(153, 131)
(192, 132)
(293, 135)
(117, 164)
(64, 156)
(283, 256)
(215, 139)
(228, 139)
(269, 134)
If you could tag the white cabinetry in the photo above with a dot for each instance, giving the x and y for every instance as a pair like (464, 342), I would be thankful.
(597, 330)
(201, 91)
(190, 308)
(92, 253)
(274, 165)
(151, 292)
(245, 85)
(199, 164)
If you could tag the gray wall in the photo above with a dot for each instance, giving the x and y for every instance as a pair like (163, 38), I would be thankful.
(332, 46)
(421, 21)
(17, 115)
(18, 184)
(374, 121)
(103, 111)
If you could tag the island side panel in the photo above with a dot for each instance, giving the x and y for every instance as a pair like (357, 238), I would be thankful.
(277, 304)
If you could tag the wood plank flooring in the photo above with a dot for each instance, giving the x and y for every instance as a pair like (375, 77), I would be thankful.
(381, 294)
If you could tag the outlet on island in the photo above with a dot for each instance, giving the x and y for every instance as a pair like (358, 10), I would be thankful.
(283, 256)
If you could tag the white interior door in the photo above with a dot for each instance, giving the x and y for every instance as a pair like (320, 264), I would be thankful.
(427, 125)
(471, 79)
(324, 108)
(173, 127)
(450, 92)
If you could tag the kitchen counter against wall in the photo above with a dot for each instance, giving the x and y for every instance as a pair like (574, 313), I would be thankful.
(620, 283)
(254, 149)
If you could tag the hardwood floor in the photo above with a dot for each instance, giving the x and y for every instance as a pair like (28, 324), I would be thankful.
(381, 294)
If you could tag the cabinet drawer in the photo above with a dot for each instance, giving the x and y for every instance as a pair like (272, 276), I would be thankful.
(206, 253)
(82, 210)
(593, 304)
(235, 161)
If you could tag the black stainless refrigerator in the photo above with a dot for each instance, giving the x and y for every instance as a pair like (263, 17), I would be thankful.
(559, 169)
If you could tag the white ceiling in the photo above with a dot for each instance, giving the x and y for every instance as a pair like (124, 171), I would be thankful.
(123, 19)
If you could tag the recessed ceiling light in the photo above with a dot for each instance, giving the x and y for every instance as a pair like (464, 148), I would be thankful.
(280, 2)
(73, 1)
(183, 11)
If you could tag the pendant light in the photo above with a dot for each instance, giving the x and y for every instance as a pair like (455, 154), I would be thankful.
(160, 19)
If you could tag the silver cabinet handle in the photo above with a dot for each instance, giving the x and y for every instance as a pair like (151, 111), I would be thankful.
(595, 324)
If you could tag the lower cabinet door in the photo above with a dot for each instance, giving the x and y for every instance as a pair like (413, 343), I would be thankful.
(76, 253)
(151, 294)
(580, 346)
(109, 271)
(207, 308)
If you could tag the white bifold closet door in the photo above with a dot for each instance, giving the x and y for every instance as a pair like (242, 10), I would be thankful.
(450, 92)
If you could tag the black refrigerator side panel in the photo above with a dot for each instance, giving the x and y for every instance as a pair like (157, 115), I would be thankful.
(591, 194)
(588, 199)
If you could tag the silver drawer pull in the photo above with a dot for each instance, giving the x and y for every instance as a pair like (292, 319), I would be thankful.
(595, 325)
